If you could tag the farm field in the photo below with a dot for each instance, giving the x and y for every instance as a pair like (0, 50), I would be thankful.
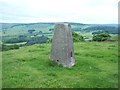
(29, 67)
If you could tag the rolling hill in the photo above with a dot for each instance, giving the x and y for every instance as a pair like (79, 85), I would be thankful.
(30, 31)
(22, 28)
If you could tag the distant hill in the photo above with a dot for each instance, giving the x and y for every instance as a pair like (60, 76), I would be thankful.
(22, 28)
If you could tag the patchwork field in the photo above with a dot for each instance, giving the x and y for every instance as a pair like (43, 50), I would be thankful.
(29, 67)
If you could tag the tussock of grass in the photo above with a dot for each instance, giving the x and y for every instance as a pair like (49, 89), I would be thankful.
(29, 67)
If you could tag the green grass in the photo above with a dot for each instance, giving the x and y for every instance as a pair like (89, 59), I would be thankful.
(28, 67)
(114, 37)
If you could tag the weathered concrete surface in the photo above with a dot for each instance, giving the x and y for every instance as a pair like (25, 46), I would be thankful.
(62, 50)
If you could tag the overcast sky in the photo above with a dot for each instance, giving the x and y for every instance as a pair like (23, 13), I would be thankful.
(81, 11)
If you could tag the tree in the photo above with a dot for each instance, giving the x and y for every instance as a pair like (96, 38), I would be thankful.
(9, 47)
(103, 36)
(40, 32)
(37, 40)
(49, 40)
(31, 31)
(77, 37)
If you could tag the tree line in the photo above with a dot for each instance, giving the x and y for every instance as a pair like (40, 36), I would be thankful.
(103, 36)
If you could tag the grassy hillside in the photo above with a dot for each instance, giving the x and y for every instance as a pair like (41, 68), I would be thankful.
(28, 67)
(21, 29)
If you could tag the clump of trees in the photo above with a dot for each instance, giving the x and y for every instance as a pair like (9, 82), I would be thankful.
(49, 40)
(77, 37)
(37, 40)
(15, 40)
(103, 36)
(8, 47)
(29, 40)
(31, 31)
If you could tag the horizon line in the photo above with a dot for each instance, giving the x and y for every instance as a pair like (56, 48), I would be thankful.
(57, 22)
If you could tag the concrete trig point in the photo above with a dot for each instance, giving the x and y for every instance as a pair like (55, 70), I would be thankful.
(62, 50)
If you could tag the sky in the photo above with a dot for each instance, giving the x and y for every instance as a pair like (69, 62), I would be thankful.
(80, 11)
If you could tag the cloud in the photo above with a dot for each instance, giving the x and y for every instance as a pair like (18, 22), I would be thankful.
(83, 11)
